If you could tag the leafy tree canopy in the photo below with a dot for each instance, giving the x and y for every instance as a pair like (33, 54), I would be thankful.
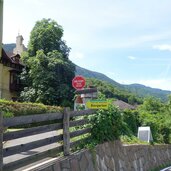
(49, 73)
(50, 77)
(47, 35)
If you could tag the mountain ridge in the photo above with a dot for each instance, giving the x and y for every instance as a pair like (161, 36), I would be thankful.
(138, 89)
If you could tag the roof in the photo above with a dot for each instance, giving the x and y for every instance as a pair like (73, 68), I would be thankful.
(11, 58)
(79, 100)
(123, 105)
(86, 91)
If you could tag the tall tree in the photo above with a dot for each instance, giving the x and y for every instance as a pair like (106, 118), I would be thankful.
(47, 35)
(49, 72)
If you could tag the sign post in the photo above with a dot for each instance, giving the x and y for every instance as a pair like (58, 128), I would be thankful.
(78, 82)
(97, 104)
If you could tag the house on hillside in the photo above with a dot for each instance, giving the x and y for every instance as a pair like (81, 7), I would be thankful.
(10, 68)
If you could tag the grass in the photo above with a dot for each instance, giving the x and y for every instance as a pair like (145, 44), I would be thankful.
(132, 140)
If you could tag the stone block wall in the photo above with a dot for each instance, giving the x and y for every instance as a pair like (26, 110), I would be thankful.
(113, 156)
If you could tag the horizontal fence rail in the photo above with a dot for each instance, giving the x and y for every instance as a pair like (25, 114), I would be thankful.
(35, 144)
(53, 130)
(21, 120)
(31, 131)
(81, 113)
(80, 132)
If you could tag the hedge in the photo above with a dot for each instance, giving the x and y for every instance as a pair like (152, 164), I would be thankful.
(11, 109)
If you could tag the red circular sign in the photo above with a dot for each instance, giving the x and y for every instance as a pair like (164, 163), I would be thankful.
(78, 82)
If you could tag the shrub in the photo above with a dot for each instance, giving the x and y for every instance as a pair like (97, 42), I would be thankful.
(107, 125)
(11, 109)
(131, 118)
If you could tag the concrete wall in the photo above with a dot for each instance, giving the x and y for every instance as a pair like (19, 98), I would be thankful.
(113, 156)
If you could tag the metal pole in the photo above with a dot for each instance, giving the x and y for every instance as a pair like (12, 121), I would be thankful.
(1, 26)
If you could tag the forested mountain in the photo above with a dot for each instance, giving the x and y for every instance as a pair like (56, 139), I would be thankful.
(9, 47)
(138, 89)
(143, 91)
(92, 74)
(111, 91)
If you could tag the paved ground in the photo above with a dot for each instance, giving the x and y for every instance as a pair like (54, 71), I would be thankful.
(28, 139)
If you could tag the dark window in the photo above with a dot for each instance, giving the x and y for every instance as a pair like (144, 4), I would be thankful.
(15, 84)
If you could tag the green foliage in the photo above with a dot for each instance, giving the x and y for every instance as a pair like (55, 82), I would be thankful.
(51, 77)
(152, 105)
(131, 140)
(107, 125)
(11, 109)
(49, 73)
(47, 35)
(155, 114)
(144, 91)
(131, 118)
(111, 91)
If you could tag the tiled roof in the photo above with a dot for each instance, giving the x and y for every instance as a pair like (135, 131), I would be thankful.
(123, 105)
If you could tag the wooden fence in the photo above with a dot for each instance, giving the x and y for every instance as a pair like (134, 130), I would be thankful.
(41, 140)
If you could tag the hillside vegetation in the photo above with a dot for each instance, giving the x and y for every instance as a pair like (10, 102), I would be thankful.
(111, 91)
(138, 89)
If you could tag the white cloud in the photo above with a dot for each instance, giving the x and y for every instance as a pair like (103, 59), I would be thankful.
(131, 57)
(163, 47)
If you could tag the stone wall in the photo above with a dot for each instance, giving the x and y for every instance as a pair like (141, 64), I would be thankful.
(113, 156)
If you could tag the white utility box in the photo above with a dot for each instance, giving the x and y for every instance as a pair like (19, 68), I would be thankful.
(144, 134)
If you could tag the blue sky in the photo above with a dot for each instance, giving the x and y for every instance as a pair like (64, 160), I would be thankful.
(128, 40)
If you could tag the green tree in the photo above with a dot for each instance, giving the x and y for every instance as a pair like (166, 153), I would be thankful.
(47, 35)
(49, 73)
(157, 115)
(106, 124)
(152, 105)
(51, 79)
(131, 118)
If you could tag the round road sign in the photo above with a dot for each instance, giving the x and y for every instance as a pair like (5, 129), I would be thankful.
(78, 82)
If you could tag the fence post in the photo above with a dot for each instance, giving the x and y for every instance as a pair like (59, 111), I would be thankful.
(1, 141)
(66, 134)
